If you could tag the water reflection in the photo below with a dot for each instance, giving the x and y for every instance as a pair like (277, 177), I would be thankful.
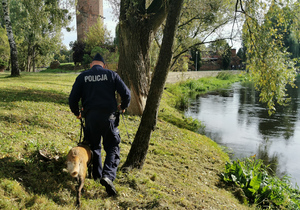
(271, 160)
(282, 123)
(236, 119)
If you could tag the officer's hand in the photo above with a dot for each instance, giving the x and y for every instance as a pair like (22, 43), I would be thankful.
(120, 109)
(79, 116)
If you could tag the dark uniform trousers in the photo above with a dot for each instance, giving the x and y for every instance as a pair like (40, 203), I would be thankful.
(101, 125)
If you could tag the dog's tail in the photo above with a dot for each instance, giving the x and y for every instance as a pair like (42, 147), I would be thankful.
(73, 166)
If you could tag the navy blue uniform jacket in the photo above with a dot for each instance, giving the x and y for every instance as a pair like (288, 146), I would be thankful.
(97, 88)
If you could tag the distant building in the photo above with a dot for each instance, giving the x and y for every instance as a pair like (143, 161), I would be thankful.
(235, 62)
(89, 11)
(213, 61)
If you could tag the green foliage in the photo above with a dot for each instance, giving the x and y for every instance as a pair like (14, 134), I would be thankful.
(86, 60)
(182, 102)
(251, 175)
(64, 55)
(153, 53)
(97, 35)
(269, 64)
(199, 19)
(290, 29)
(224, 75)
(2, 22)
(81, 55)
(111, 58)
(181, 64)
(37, 29)
(4, 48)
(242, 53)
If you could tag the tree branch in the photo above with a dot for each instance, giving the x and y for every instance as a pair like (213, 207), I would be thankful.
(176, 57)
(158, 13)
(190, 20)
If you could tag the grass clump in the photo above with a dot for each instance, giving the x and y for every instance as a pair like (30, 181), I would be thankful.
(170, 114)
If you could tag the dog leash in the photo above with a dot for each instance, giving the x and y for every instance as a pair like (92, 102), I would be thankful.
(81, 130)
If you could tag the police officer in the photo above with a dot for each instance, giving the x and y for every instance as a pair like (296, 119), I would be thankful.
(96, 89)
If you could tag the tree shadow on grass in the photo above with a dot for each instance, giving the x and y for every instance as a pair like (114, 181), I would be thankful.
(40, 176)
(35, 95)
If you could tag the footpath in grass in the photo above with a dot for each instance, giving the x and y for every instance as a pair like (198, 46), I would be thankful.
(182, 169)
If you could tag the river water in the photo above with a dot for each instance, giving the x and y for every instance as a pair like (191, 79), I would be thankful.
(234, 118)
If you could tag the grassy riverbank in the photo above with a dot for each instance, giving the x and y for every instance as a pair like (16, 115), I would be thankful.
(182, 169)
(183, 91)
(254, 182)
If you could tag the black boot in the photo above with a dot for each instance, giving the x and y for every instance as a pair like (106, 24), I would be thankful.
(109, 186)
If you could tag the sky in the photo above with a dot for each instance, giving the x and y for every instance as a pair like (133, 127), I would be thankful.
(109, 21)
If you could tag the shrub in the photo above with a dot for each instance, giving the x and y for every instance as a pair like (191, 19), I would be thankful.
(54, 64)
(78, 51)
(182, 102)
(251, 175)
(86, 61)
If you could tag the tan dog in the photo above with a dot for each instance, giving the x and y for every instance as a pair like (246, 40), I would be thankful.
(78, 161)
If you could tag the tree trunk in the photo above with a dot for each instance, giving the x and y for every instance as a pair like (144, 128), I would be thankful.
(29, 58)
(134, 64)
(138, 25)
(33, 58)
(140, 145)
(15, 71)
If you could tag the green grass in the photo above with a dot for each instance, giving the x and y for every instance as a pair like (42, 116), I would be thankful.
(182, 169)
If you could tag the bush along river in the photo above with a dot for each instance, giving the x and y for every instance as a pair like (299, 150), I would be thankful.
(235, 118)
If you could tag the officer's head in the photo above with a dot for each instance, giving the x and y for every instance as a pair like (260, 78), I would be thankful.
(98, 60)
